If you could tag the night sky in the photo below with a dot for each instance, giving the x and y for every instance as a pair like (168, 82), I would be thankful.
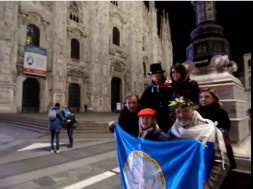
(235, 17)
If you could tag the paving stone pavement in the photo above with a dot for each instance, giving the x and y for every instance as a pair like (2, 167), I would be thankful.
(102, 157)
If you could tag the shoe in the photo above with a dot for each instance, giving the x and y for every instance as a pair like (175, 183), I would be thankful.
(70, 146)
(52, 151)
(57, 151)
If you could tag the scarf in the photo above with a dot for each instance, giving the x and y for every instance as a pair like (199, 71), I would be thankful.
(203, 130)
(166, 83)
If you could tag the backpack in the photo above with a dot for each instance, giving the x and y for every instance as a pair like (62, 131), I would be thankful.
(52, 114)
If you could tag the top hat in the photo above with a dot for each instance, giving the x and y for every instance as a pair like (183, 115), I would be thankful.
(147, 112)
(155, 68)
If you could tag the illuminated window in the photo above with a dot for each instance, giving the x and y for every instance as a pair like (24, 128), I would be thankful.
(33, 35)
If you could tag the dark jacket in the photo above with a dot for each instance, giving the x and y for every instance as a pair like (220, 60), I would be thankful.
(56, 123)
(187, 88)
(72, 120)
(215, 113)
(128, 121)
(157, 98)
(154, 134)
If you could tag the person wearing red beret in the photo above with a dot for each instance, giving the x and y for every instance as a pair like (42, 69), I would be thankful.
(148, 128)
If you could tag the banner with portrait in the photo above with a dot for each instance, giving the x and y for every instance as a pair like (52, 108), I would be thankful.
(177, 164)
(35, 61)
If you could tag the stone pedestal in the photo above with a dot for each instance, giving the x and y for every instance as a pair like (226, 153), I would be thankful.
(231, 94)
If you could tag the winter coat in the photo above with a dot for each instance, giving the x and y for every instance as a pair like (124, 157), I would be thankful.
(56, 123)
(157, 98)
(219, 115)
(153, 133)
(72, 120)
(215, 113)
(205, 131)
(128, 121)
(187, 88)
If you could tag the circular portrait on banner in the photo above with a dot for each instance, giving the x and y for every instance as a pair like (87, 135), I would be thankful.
(29, 60)
(142, 171)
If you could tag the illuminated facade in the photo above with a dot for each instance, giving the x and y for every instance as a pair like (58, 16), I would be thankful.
(95, 53)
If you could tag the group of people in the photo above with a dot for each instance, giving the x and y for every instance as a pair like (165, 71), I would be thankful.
(63, 119)
(176, 108)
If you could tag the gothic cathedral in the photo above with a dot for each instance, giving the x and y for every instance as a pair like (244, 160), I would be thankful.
(78, 53)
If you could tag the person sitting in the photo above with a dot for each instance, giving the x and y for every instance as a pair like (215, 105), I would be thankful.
(189, 124)
(128, 118)
(210, 108)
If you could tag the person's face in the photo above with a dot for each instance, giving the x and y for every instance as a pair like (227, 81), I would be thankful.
(206, 98)
(175, 75)
(157, 78)
(184, 116)
(132, 103)
(146, 121)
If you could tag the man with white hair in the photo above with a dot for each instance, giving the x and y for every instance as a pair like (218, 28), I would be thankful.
(190, 125)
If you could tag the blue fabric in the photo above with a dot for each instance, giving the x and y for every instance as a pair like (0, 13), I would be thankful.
(56, 123)
(177, 164)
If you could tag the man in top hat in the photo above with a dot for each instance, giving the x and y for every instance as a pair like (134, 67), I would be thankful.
(157, 96)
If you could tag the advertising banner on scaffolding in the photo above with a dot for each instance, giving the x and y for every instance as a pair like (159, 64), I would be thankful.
(35, 61)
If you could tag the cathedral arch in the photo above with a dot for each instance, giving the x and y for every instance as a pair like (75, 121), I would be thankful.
(30, 97)
(74, 100)
(116, 88)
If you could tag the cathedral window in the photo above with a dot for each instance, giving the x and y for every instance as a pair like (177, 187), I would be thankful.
(33, 35)
(115, 3)
(144, 70)
(75, 49)
(116, 36)
(74, 11)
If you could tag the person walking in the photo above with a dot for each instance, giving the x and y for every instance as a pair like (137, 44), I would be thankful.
(157, 96)
(55, 128)
(70, 120)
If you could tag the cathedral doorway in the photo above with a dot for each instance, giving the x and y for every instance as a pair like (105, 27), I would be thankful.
(115, 93)
(31, 92)
(74, 97)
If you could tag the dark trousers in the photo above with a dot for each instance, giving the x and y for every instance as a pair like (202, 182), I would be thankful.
(70, 135)
(55, 134)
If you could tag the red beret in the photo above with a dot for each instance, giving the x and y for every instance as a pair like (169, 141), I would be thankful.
(147, 112)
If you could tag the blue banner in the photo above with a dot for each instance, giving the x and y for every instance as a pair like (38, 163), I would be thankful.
(144, 164)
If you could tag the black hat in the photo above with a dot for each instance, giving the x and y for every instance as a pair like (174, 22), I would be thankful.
(155, 68)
